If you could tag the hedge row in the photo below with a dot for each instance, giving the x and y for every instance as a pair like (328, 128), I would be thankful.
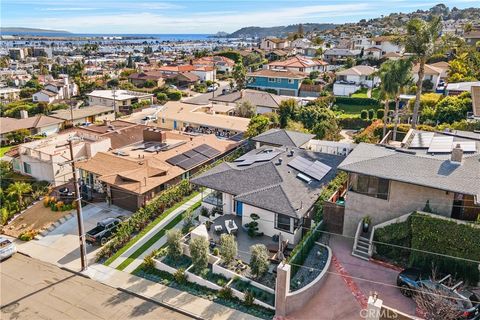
(367, 102)
(354, 123)
(448, 238)
(436, 235)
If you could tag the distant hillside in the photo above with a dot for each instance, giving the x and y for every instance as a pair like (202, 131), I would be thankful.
(280, 31)
(31, 31)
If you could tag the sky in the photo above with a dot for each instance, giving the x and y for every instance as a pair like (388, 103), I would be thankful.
(184, 16)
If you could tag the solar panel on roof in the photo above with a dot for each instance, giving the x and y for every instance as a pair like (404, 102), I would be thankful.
(176, 159)
(422, 140)
(466, 146)
(190, 153)
(317, 170)
(207, 151)
(441, 145)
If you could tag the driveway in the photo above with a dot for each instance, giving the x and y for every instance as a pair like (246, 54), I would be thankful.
(204, 98)
(60, 246)
(371, 277)
(137, 117)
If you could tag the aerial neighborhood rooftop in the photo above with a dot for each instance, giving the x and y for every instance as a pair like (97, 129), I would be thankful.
(292, 170)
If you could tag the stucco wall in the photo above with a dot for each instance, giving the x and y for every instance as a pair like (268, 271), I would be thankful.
(403, 198)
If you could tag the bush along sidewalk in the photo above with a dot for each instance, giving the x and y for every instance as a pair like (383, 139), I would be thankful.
(140, 219)
(223, 297)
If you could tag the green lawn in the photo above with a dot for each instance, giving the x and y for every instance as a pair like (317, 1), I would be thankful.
(354, 109)
(362, 93)
(3, 150)
(150, 242)
(148, 228)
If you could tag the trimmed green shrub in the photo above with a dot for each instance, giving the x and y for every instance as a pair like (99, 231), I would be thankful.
(364, 114)
(371, 114)
(380, 113)
(174, 95)
(353, 123)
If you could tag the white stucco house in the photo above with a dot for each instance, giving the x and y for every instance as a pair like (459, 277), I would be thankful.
(432, 74)
(46, 159)
(350, 80)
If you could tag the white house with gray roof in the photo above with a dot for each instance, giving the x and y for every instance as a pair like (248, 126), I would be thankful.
(387, 182)
(280, 185)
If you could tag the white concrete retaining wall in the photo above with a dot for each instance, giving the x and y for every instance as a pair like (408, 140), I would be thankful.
(199, 280)
(297, 299)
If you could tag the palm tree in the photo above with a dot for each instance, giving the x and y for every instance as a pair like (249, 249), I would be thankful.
(18, 189)
(402, 74)
(420, 41)
(388, 89)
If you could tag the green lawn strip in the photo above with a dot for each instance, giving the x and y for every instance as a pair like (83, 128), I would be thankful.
(3, 150)
(148, 228)
(150, 242)
(354, 109)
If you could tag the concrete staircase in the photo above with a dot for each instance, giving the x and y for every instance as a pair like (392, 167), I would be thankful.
(362, 248)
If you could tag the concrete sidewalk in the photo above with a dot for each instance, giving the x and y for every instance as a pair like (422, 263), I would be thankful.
(115, 263)
(187, 302)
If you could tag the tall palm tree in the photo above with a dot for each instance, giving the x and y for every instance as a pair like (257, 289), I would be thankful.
(388, 89)
(402, 74)
(18, 189)
(420, 41)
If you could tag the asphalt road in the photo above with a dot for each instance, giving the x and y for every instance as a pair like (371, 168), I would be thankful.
(32, 289)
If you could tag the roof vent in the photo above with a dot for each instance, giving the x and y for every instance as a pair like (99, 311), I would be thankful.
(457, 154)
(279, 162)
(291, 153)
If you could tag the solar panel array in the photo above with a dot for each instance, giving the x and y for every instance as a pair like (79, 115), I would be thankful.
(249, 159)
(441, 144)
(316, 170)
(191, 158)
(466, 146)
(422, 140)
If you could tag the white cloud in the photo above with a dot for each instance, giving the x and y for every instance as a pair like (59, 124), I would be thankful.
(206, 22)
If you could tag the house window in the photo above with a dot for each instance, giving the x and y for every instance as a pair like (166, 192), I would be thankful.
(271, 79)
(27, 168)
(369, 185)
(290, 81)
(282, 222)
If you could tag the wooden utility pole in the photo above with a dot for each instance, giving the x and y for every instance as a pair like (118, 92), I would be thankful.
(78, 200)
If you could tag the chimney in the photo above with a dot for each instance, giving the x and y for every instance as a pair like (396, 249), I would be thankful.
(23, 114)
(457, 154)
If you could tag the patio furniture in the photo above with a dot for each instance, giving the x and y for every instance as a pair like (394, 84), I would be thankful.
(218, 229)
(231, 226)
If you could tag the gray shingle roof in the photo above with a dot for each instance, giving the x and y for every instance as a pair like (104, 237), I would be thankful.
(282, 137)
(429, 171)
(269, 185)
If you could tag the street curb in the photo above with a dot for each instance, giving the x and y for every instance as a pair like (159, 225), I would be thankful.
(24, 254)
(78, 273)
(163, 304)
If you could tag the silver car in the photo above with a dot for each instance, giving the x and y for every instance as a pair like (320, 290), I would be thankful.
(7, 248)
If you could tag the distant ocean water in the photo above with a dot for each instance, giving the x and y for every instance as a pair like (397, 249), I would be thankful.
(159, 37)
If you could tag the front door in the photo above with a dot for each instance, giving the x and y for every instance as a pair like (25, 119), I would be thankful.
(239, 208)
(174, 124)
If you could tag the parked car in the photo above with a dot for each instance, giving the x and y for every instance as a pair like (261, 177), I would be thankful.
(7, 248)
(212, 87)
(149, 118)
(103, 231)
(411, 280)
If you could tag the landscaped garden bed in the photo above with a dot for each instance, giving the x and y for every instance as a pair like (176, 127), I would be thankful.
(183, 262)
(244, 286)
(209, 275)
(313, 265)
(168, 279)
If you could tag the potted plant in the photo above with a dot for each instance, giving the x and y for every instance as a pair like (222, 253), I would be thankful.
(208, 224)
(367, 221)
